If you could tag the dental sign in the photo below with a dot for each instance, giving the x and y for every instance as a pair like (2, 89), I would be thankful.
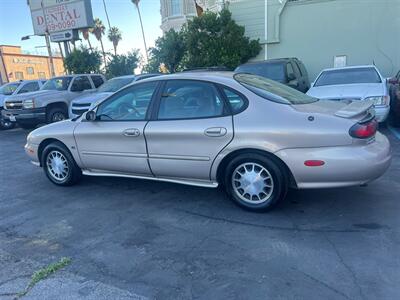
(60, 15)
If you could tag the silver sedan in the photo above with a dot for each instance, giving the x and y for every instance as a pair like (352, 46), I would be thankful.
(254, 136)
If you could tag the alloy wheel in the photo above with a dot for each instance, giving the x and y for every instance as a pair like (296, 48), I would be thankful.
(252, 183)
(57, 165)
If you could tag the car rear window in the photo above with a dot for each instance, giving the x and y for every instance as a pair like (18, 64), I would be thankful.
(348, 76)
(274, 71)
(273, 90)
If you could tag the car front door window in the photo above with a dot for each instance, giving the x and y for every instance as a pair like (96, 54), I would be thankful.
(130, 104)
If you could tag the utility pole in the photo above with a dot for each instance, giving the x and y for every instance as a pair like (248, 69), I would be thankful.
(46, 35)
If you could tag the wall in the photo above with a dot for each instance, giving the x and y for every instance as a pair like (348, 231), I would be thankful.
(251, 15)
(315, 31)
(12, 61)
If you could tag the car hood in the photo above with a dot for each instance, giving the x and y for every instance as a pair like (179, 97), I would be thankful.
(92, 98)
(42, 93)
(347, 91)
(2, 98)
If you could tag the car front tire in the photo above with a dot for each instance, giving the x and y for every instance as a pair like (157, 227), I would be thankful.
(255, 182)
(56, 114)
(5, 124)
(59, 165)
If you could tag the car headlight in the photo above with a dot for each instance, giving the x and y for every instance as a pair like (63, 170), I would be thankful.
(28, 104)
(379, 100)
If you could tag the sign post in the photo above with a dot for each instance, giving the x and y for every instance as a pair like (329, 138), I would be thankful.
(53, 73)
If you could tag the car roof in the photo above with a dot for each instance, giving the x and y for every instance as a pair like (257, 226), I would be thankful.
(133, 76)
(220, 76)
(272, 60)
(350, 67)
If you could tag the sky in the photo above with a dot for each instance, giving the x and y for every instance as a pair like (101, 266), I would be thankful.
(15, 22)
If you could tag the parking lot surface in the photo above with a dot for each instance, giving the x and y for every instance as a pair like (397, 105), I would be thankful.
(142, 239)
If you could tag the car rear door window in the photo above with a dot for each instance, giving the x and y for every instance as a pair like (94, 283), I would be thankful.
(130, 104)
(189, 99)
(29, 87)
(97, 80)
(81, 83)
(236, 101)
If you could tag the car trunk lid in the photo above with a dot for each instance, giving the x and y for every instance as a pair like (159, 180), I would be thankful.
(343, 109)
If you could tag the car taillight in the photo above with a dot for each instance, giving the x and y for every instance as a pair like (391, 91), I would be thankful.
(364, 130)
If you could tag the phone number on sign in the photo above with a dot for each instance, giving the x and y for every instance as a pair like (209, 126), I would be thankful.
(62, 25)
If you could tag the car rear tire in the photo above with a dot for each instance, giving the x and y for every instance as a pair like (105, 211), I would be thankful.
(56, 114)
(255, 182)
(59, 165)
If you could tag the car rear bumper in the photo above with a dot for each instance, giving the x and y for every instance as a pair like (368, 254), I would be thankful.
(344, 165)
(36, 115)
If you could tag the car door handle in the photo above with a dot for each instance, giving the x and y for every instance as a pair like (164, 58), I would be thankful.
(131, 132)
(215, 131)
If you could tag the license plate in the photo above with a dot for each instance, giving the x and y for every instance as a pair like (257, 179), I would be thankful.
(12, 119)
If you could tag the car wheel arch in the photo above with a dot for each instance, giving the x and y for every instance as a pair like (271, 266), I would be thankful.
(44, 144)
(62, 105)
(224, 163)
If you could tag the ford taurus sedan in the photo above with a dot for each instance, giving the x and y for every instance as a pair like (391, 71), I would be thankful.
(254, 136)
(357, 83)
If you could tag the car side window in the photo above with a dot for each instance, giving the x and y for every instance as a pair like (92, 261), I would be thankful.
(97, 80)
(29, 87)
(290, 72)
(189, 99)
(236, 101)
(297, 69)
(130, 104)
(81, 83)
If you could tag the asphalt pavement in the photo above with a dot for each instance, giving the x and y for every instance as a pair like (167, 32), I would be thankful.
(136, 239)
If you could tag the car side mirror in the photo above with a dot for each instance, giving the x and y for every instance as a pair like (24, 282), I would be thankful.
(91, 116)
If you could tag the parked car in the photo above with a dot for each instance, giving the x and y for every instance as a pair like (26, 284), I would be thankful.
(82, 104)
(357, 83)
(255, 136)
(394, 91)
(289, 71)
(51, 103)
(16, 88)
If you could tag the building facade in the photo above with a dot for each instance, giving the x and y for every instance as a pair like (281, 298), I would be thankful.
(15, 65)
(175, 13)
(320, 32)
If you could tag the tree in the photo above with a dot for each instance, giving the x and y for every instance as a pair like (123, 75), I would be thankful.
(82, 60)
(136, 2)
(98, 31)
(214, 39)
(169, 50)
(115, 36)
(123, 64)
(85, 33)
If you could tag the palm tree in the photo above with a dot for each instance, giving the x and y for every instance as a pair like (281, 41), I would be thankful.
(98, 31)
(136, 2)
(115, 36)
(86, 37)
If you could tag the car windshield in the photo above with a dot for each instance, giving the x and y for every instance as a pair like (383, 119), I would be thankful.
(274, 71)
(348, 76)
(9, 88)
(114, 85)
(273, 90)
(57, 84)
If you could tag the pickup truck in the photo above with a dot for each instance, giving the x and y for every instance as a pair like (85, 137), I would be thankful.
(16, 88)
(49, 104)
